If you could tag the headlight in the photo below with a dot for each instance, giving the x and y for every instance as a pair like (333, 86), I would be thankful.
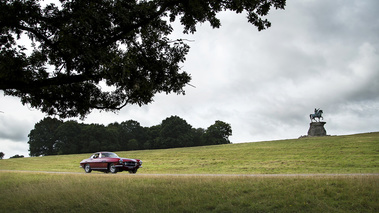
(140, 162)
(120, 161)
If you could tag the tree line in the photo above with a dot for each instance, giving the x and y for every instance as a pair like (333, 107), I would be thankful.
(51, 136)
(15, 156)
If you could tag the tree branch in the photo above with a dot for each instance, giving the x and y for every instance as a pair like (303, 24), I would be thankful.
(26, 86)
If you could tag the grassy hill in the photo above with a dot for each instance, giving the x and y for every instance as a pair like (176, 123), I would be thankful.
(332, 154)
(98, 192)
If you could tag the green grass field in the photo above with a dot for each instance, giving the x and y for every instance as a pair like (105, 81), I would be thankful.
(336, 154)
(124, 192)
(40, 192)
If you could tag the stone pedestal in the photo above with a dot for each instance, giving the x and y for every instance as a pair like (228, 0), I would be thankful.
(317, 129)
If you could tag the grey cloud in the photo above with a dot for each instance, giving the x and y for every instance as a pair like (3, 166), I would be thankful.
(15, 130)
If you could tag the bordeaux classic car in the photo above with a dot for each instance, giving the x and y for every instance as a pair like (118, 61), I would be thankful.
(110, 162)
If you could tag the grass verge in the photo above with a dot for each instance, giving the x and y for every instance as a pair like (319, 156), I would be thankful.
(41, 192)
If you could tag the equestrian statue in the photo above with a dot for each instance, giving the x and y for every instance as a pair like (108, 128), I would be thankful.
(317, 114)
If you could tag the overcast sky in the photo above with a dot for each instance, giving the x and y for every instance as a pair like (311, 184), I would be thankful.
(318, 53)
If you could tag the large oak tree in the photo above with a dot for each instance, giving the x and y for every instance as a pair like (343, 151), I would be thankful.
(79, 45)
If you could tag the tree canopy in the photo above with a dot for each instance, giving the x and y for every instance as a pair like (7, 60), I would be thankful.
(51, 136)
(80, 46)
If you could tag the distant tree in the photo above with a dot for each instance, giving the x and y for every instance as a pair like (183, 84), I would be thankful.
(51, 136)
(147, 142)
(2, 155)
(132, 135)
(175, 132)
(113, 137)
(95, 137)
(42, 139)
(78, 45)
(198, 136)
(133, 144)
(68, 138)
(114, 130)
(218, 133)
(17, 156)
(153, 137)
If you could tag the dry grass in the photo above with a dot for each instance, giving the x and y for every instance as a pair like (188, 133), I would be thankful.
(40, 192)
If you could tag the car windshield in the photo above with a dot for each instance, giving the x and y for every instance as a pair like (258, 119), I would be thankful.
(96, 155)
(109, 155)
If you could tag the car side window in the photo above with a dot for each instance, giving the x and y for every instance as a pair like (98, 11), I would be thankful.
(96, 155)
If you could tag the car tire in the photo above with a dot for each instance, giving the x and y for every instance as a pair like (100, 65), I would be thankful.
(87, 168)
(112, 168)
(133, 171)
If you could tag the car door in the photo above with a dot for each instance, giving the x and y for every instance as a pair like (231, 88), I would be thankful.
(103, 161)
(95, 161)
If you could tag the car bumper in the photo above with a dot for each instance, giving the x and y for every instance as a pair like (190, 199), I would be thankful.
(128, 167)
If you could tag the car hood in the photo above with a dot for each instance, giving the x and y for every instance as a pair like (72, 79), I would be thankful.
(128, 159)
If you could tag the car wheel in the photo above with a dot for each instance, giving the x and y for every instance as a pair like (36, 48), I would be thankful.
(133, 171)
(113, 168)
(87, 168)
